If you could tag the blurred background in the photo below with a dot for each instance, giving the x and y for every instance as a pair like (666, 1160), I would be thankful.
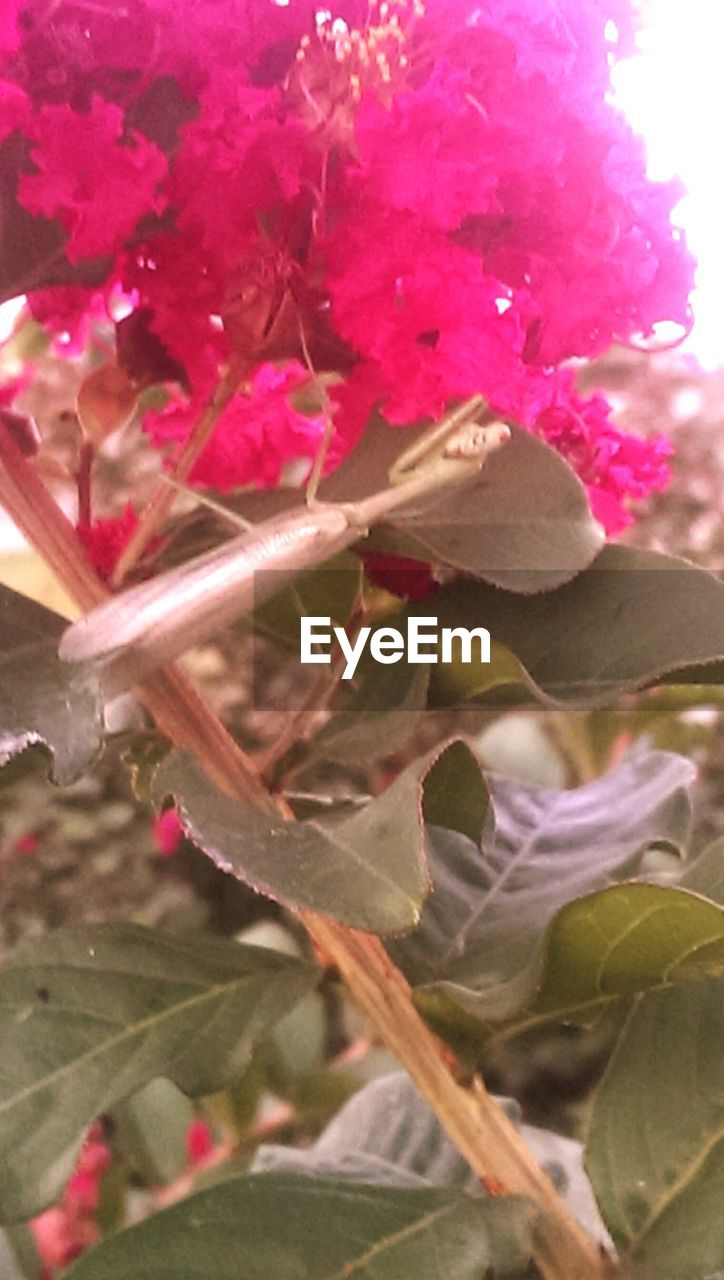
(89, 852)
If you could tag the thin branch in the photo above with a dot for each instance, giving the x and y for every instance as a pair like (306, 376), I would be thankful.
(160, 505)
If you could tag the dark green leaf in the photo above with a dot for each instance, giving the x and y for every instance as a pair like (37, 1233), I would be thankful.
(456, 796)
(377, 717)
(367, 870)
(44, 700)
(328, 591)
(541, 849)
(289, 1227)
(89, 1015)
(601, 949)
(655, 1152)
(523, 523)
(630, 619)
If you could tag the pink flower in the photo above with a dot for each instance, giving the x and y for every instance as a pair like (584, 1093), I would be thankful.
(26, 845)
(444, 207)
(167, 832)
(105, 539)
(98, 183)
(257, 435)
(9, 33)
(424, 310)
(199, 1143)
(614, 466)
(65, 1231)
(14, 105)
(69, 313)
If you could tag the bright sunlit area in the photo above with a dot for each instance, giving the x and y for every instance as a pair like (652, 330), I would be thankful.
(673, 94)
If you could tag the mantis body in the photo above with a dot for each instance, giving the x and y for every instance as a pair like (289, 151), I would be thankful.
(152, 623)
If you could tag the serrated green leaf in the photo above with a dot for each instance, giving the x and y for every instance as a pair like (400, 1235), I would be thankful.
(629, 620)
(89, 1015)
(540, 849)
(367, 870)
(293, 1227)
(655, 1151)
(44, 700)
(524, 522)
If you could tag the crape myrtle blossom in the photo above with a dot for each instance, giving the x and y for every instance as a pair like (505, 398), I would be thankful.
(421, 198)
(65, 1231)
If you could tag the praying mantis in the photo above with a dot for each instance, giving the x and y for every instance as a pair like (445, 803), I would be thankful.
(154, 622)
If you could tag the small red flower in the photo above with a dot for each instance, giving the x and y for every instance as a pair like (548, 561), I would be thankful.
(105, 539)
(167, 832)
(409, 579)
(199, 1143)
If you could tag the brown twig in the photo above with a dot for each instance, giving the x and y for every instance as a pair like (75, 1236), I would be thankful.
(159, 506)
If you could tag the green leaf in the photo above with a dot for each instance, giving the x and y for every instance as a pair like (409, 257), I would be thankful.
(44, 700)
(602, 949)
(377, 717)
(524, 522)
(630, 619)
(387, 1133)
(367, 870)
(293, 1227)
(89, 1015)
(705, 875)
(19, 1258)
(456, 796)
(540, 849)
(655, 1151)
(331, 590)
(150, 1128)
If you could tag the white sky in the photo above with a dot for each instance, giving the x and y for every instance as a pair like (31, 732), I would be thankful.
(673, 94)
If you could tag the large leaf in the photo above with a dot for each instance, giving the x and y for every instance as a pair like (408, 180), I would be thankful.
(655, 1152)
(630, 619)
(44, 700)
(540, 849)
(387, 1133)
(279, 1226)
(367, 870)
(598, 950)
(524, 522)
(89, 1015)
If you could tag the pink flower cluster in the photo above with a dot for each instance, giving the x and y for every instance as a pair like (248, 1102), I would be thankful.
(426, 198)
(69, 1228)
